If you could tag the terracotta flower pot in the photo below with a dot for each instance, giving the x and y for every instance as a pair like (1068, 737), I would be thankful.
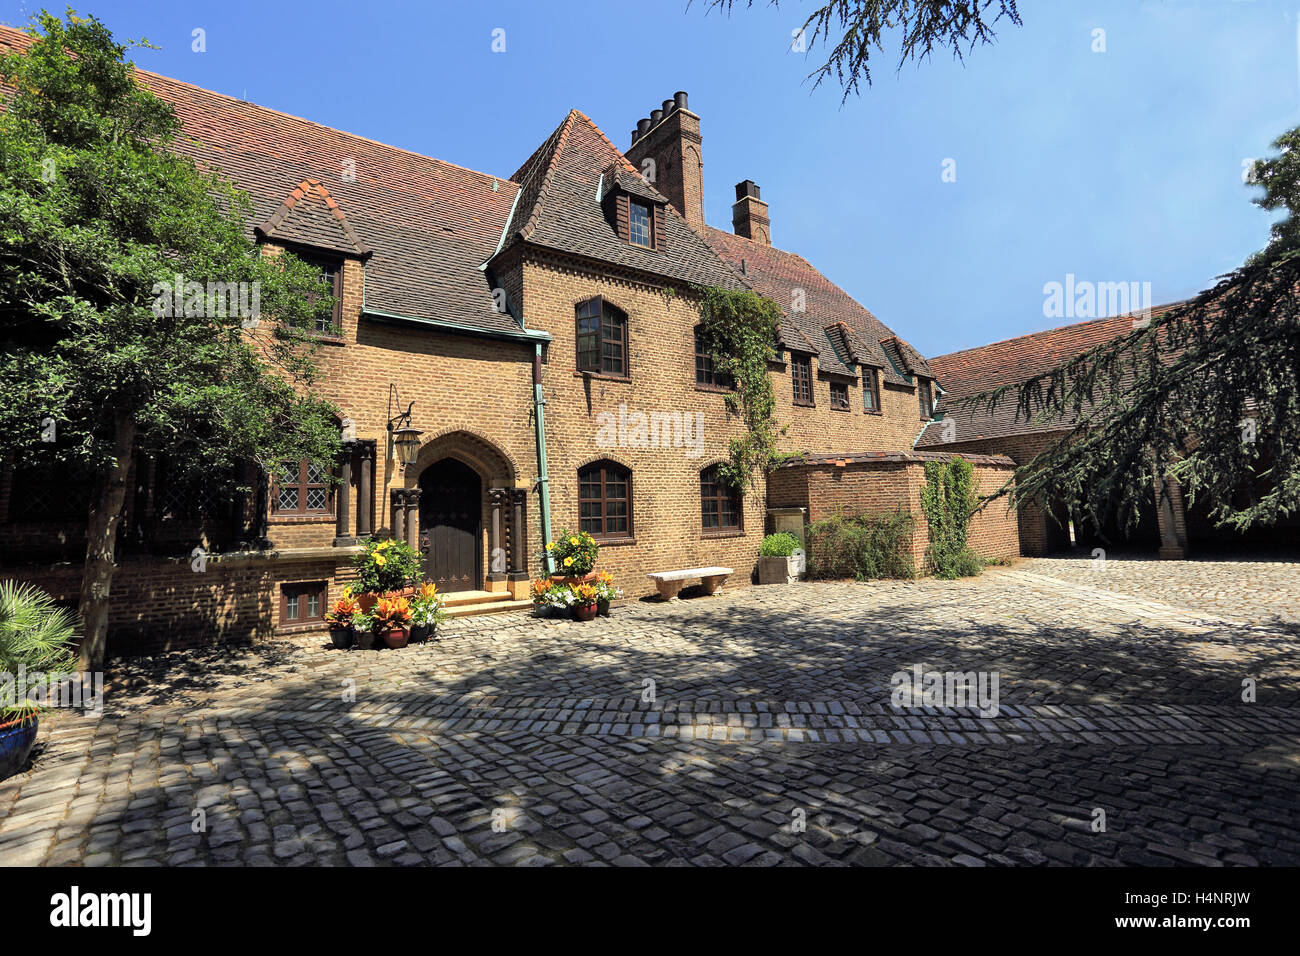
(585, 612)
(573, 581)
(366, 600)
(397, 637)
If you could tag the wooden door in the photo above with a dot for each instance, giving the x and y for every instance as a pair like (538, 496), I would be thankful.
(451, 502)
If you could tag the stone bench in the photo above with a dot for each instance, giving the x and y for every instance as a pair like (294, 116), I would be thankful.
(671, 582)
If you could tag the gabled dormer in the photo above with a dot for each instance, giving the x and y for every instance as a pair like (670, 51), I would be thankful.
(633, 207)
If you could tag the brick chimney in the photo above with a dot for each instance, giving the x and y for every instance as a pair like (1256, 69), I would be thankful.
(670, 136)
(749, 214)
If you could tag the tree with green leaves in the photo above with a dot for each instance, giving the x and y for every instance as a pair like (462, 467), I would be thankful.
(1206, 392)
(854, 29)
(112, 338)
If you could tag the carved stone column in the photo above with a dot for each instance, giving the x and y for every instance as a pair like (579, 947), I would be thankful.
(343, 497)
(497, 502)
(413, 518)
(365, 488)
(518, 577)
(397, 506)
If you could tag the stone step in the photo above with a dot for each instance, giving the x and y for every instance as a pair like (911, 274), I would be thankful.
(460, 598)
(489, 607)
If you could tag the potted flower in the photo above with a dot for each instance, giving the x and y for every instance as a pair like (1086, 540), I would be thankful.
(551, 598)
(574, 553)
(392, 617)
(363, 629)
(385, 567)
(584, 605)
(780, 559)
(605, 592)
(339, 619)
(426, 612)
(35, 636)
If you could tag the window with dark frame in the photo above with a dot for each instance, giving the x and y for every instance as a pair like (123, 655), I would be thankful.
(720, 504)
(639, 219)
(601, 337)
(706, 372)
(331, 273)
(302, 603)
(870, 390)
(801, 378)
(301, 488)
(605, 500)
(925, 396)
(840, 396)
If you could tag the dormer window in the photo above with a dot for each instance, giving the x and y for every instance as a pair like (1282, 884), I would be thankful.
(925, 397)
(640, 224)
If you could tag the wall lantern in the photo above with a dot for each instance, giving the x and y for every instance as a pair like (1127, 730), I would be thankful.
(403, 440)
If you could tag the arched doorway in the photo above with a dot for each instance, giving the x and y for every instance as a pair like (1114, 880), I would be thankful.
(451, 524)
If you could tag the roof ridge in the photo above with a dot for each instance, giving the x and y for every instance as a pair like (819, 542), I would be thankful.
(311, 186)
(560, 136)
(1057, 328)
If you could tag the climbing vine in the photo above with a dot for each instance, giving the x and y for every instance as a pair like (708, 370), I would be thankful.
(948, 500)
(738, 328)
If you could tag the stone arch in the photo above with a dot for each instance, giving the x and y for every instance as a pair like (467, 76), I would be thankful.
(494, 465)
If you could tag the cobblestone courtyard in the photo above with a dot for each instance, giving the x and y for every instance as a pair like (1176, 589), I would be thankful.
(519, 741)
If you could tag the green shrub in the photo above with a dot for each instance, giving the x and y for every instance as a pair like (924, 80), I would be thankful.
(35, 635)
(387, 565)
(574, 552)
(948, 501)
(779, 545)
(862, 547)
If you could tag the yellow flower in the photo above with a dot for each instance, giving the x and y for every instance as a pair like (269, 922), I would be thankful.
(568, 561)
(550, 546)
(380, 560)
(573, 541)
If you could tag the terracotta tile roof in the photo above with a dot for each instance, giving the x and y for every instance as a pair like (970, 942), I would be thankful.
(559, 208)
(311, 216)
(776, 274)
(428, 224)
(972, 371)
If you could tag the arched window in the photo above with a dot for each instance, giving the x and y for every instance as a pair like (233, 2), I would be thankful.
(605, 500)
(601, 337)
(720, 503)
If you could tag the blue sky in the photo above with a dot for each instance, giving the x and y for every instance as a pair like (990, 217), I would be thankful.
(1123, 165)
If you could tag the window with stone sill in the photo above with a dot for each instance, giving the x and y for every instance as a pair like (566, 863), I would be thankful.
(301, 488)
(600, 334)
(302, 603)
(870, 390)
(801, 378)
(605, 500)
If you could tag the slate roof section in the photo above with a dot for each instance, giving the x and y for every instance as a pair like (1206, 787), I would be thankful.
(428, 224)
(971, 371)
(311, 216)
(559, 209)
(776, 274)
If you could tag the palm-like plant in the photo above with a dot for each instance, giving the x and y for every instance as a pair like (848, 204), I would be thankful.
(35, 635)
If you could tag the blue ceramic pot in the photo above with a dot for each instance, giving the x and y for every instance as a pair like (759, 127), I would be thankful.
(16, 742)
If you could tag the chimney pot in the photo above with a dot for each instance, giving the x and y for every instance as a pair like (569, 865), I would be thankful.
(680, 98)
(656, 116)
(643, 124)
(669, 106)
(636, 134)
(747, 188)
(749, 215)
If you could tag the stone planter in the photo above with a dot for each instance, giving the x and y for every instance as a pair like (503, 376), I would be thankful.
(779, 570)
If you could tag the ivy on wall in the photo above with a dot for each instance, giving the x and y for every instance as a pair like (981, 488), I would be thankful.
(738, 327)
(948, 500)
